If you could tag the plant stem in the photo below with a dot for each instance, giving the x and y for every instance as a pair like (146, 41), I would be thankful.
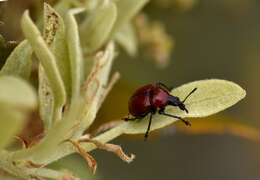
(66, 148)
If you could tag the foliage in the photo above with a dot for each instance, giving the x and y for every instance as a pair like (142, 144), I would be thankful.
(75, 57)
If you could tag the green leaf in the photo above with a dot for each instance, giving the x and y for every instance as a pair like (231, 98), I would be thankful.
(61, 131)
(62, 7)
(212, 96)
(48, 61)
(46, 173)
(16, 92)
(46, 100)
(127, 9)
(74, 49)
(15, 96)
(93, 89)
(19, 62)
(95, 30)
(126, 37)
(55, 37)
(76, 165)
(11, 123)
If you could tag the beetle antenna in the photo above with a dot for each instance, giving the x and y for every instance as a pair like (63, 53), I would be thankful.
(189, 94)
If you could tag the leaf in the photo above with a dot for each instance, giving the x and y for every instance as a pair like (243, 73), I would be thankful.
(42, 151)
(212, 96)
(113, 80)
(11, 123)
(126, 37)
(95, 30)
(74, 164)
(48, 61)
(46, 173)
(16, 92)
(55, 37)
(15, 95)
(93, 89)
(19, 62)
(46, 101)
(116, 149)
(215, 95)
(75, 54)
(92, 5)
(127, 9)
(62, 7)
(89, 159)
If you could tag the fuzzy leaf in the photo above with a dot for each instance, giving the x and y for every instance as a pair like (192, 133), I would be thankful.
(127, 9)
(46, 101)
(46, 173)
(212, 96)
(48, 61)
(93, 89)
(11, 123)
(16, 92)
(15, 95)
(55, 37)
(126, 37)
(62, 7)
(116, 149)
(79, 116)
(73, 164)
(89, 159)
(19, 61)
(74, 49)
(60, 132)
(95, 30)
(92, 5)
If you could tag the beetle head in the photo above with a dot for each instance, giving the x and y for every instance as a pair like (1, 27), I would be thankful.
(175, 101)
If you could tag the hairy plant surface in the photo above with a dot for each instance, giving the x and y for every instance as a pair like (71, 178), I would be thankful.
(74, 60)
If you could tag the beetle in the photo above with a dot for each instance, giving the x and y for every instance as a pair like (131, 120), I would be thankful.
(152, 98)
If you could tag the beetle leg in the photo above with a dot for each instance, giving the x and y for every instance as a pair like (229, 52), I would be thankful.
(148, 128)
(186, 122)
(130, 119)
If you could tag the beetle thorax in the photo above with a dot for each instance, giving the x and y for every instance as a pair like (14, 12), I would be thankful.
(159, 98)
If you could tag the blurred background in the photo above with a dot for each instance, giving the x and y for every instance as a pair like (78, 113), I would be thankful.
(199, 39)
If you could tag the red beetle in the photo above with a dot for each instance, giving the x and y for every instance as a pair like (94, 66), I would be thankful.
(152, 98)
